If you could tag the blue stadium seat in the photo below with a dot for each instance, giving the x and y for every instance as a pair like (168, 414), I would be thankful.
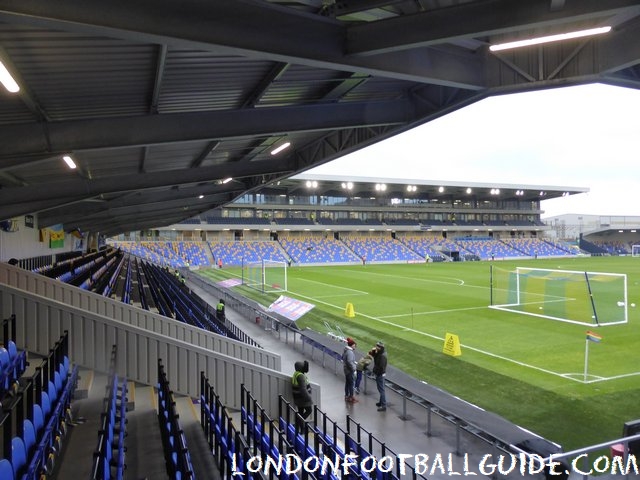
(38, 420)
(46, 406)
(29, 436)
(18, 456)
(6, 470)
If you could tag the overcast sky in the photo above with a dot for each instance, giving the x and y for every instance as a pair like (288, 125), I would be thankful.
(586, 136)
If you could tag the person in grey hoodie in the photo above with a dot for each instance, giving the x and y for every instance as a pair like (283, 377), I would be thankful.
(349, 366)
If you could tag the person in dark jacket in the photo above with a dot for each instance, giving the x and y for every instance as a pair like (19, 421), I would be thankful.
(301, 392)
(380, 371)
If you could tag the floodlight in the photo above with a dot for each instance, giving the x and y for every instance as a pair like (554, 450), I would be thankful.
(549, 38)
(277, 150)
(69, 161)
(7, 80)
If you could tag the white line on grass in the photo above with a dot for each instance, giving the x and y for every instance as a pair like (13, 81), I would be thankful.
(457, 281)
(333, 286)
(474, 349)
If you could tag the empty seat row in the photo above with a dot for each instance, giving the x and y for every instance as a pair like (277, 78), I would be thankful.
(109, 456)
(176, 453)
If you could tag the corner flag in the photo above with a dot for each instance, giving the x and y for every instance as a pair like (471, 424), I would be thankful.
(593, 337)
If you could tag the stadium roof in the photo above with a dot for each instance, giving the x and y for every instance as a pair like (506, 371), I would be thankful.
(159, 102)
(329, 185)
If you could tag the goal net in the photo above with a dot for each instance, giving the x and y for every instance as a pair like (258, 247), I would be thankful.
(586, 298)
(266, 275)
(635, 250)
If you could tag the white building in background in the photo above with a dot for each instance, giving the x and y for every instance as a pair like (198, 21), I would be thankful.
(572, 226)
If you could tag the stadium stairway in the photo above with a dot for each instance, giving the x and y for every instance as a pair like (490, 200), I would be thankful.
(144, 456)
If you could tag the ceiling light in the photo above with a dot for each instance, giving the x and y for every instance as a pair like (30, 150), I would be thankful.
(549, 38)
(468, 190)
(227, 180)
(441, 189)
(7, 80)
(200, 196)
(69, 161)
(277, 150)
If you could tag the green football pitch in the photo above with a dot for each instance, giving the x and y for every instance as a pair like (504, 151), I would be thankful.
(532, 371)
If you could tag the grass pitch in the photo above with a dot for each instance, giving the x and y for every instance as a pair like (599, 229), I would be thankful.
(529, 370)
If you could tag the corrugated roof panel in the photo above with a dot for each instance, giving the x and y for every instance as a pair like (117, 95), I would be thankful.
(199, 81)
(73, 76)
(301, 85)
(173, 156)
(120, 161)
(378, 89)
(12, 109)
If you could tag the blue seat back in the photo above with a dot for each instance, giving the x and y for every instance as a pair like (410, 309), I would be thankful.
(46, 406)
(18, 456)
(29, 436)
(6, 470)
(13, 349)
(38, 419)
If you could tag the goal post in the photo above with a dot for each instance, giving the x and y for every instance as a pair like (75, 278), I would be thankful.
(266, 276)
(635, 250)
(586, 298)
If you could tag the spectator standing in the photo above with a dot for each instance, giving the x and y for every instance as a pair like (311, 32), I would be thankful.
(349, 366)
(362, 366)
(380, 371)
(220, 315)
(301, 392)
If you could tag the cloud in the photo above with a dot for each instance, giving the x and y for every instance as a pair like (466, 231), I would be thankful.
(582, 136)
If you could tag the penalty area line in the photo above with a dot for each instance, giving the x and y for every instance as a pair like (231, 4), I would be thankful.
(436, 337)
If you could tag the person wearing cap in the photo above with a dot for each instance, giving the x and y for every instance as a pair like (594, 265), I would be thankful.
(301, 389)
(349, 367)
(380, 371)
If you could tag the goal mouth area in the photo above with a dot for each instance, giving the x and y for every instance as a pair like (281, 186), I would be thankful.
(266, 276)
(583, 298)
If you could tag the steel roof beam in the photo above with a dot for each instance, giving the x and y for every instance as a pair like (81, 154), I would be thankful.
(250, 29)
(116, 132)
(475, 20)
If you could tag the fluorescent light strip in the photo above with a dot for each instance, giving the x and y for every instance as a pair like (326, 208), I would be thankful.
(550, 38)
(69, 161)
(275, 151)
(7, 80)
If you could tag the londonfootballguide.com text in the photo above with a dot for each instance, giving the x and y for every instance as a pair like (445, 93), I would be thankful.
(423, 464)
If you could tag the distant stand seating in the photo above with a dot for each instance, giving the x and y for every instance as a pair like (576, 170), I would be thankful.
(182, 304)
(487, 249)
(381, 250)
(423, 247)
(172, 254)
(308, 250)
(535, 247)
(239, 253)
